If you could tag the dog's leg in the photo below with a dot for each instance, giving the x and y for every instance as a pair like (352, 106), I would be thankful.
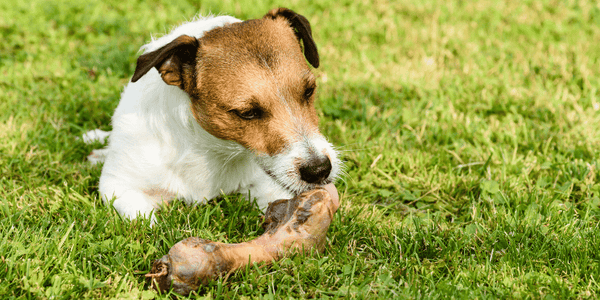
(97, 156)
(129, 202)
(95, 135)
(133, 204)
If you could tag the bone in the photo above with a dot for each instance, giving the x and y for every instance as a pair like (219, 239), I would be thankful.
(291, 225)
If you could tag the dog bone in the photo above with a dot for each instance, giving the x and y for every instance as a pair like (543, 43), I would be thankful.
(298, 224)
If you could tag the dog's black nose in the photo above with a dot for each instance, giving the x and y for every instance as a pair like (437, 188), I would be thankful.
(316, 169)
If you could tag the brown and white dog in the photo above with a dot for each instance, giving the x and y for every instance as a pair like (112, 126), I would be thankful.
(218, 106)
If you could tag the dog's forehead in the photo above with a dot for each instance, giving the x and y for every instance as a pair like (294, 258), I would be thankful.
(257, 59)
(264, 43)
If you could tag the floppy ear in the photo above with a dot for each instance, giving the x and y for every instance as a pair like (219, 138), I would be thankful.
(303, 32)
(171, 61)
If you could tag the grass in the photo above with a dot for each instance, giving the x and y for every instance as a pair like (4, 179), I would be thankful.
(470, 132)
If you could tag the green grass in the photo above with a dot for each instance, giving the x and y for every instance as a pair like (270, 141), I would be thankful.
(470, 133)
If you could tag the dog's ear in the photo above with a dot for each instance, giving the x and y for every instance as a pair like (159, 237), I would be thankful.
(171, 60)
(303, 32)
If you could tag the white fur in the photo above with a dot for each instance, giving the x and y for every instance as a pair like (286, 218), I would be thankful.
(157, 151)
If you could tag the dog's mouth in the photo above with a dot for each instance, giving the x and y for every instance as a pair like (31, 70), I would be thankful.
(304, 166)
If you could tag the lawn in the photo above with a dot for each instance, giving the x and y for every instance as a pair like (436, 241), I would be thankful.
(470, 132)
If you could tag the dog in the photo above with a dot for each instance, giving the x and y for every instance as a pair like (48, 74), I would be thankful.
(218, 105)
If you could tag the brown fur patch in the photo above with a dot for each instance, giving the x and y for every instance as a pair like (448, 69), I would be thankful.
(257, 64)
(248, 82)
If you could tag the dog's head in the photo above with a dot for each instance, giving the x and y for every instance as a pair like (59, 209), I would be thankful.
(249, 82)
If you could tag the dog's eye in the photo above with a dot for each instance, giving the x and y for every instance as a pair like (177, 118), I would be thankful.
(255, 113)
(309, 92)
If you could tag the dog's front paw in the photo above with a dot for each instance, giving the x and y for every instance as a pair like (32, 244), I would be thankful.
(97, 156)
(95, 135)
(133, 204)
